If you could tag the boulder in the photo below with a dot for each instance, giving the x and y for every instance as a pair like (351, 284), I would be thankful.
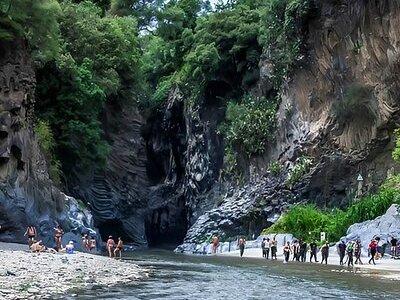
(385, 227)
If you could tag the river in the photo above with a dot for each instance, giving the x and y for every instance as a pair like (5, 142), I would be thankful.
(175, 276)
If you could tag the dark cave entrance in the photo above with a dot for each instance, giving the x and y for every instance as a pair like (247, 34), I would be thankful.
(114, 228)
(166, 226)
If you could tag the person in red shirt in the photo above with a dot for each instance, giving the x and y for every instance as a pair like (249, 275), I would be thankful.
(110, 246)
(372, 249)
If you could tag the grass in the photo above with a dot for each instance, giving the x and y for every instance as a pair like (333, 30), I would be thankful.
(306, 221)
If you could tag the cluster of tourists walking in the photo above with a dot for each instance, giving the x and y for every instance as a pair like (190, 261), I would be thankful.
(349, 253)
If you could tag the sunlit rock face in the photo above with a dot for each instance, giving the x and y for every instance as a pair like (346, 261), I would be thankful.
(27, 195)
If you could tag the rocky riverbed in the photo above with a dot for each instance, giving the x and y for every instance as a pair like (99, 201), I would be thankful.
(25, 275)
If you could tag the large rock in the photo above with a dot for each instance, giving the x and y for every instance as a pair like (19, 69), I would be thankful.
(385, 227)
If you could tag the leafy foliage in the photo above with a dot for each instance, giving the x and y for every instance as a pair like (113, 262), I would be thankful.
(47, 143)
(275, 168)
(396, 150)
(99, 61)
(282, 33)
(250, 125)
(301, 168)
(35, 20)
(307, 221)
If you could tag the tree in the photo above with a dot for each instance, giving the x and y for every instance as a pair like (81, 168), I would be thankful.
(33, 20)
(99, 62)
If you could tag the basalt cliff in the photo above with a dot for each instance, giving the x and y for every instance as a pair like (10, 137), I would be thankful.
(164, 179)
(28, 196)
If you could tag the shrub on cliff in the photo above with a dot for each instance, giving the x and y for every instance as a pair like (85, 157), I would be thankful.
(282, 33)
(47, 143)
(250, 125)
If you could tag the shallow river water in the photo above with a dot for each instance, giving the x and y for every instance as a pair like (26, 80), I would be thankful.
(175, 276)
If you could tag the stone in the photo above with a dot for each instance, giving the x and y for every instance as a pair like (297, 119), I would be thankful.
(385, 227)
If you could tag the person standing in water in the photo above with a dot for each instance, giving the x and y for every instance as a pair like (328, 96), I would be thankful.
(342, 251)
(295, 250)
(393, 246)
(119, 248)
(303, 251)
(110, 246)
(349, 250)
(31, 234)
(286, 252)
(265, 247)
(313, 251)
(58, 233)
(373, 245)
(241, 244)
(273, 246)
(215, 244)
(325, 253)
(357, 252)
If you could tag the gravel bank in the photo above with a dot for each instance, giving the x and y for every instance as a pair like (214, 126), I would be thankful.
(25, 275)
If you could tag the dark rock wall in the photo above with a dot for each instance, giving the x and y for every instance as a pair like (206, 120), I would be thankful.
(27, 195)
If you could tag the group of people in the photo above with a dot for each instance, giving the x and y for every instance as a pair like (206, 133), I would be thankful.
(299, 248)
(113, 248)
(37, 246)
(349, 253)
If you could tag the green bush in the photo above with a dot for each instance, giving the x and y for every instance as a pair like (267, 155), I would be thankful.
(282, 33)
(356, 105)
(275, 168)
(99, 63)
(34, 20)
(396, 150)
(250, 125)
(306, 221)
(47, 144)
(301, 168)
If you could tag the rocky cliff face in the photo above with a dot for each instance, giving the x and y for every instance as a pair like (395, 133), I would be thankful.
(27, 195)
(339, 108)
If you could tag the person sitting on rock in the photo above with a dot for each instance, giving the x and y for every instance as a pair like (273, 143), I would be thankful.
(119, 248)
(31, 233)
(110, 246)
(37, 246)
(69, 249)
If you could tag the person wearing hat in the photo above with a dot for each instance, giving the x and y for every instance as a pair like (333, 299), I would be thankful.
(110, 246)
(70, 248)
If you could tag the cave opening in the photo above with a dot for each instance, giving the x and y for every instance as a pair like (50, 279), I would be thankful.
(166, 227)
(114, 228)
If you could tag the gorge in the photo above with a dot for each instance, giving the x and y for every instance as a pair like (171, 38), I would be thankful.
(171, 173)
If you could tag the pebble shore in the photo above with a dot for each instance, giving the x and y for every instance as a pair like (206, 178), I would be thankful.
(25, 275)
